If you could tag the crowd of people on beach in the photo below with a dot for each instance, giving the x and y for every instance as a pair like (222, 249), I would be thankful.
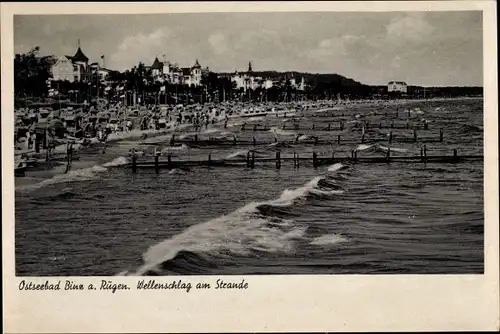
(38, 128)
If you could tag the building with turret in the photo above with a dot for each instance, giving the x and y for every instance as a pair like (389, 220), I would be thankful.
(246, 80)
(192, 76)
(72, 68)
(165, 71)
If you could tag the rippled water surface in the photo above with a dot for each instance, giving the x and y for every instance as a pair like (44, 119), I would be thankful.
(101, 219)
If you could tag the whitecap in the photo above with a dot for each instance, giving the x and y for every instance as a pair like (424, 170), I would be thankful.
(328, 239)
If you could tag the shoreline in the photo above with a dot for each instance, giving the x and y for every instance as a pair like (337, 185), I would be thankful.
(135, 136)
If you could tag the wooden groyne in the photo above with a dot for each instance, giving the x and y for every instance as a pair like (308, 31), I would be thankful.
(251, 161)
(311, 140)
(332, 126)
(340, 114)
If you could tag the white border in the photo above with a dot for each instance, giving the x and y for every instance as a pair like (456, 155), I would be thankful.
(272, 303)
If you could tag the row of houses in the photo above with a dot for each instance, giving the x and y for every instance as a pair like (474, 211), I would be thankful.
(247, 80)
(76, 68)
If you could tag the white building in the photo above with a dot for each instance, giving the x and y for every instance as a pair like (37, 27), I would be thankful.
(246, 80)
(397, 86)
(165, 71)
(267, 84)
(71, 68)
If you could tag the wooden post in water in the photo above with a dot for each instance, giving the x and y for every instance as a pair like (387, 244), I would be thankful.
(169, 160)
(134, 163)
(254, 141)
(392, 124)
(338, 139)
(68, 157)
(315, 159)
(255, 127)
(298, 160)
(253, 160)
(425, 153)
(315, 140)
(234, 140)
(397, 114)
(172, 141)
(341, 125)
(312, 127)
(243, 126)
(441, 135)
(196, 138)
(390, 137)
(157, 167)
(363, 138)
(426, 125)
(248, 159)
(388, 154)
(329, 126)
(407, 125)
(455, 154)
(421, 154)
(278, 160)
(209, 159)
(415, 135)
(409, 113)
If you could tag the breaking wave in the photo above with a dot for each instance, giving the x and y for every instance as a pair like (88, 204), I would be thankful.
(256, 229)
(328, 239)
(76, 175)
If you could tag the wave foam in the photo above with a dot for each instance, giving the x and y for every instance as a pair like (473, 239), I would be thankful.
(328, 239)
(393, 149)
(182, 147)
(120, 161)
(240, 232)
(76, 175)
(335, 167)
(363, 147)
(281, 132)
(238, 154)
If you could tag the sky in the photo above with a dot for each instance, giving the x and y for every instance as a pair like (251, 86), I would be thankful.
(421, 48)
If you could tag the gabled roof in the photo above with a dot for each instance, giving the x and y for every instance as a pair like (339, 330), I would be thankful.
(79, 56)
(197, 64)
(67, 57)
(157, 65)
